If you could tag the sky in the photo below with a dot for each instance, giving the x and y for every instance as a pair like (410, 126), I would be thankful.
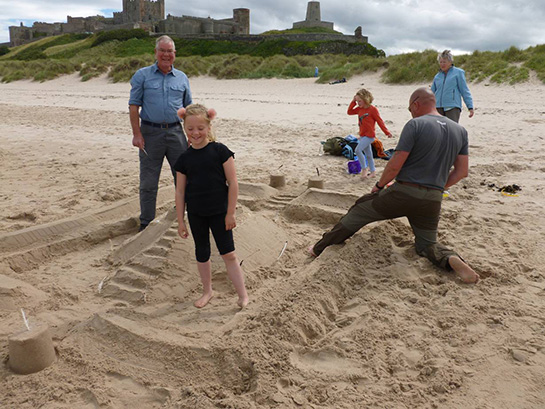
(395, 26)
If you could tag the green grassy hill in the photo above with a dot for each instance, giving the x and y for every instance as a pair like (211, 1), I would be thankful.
(121, 52)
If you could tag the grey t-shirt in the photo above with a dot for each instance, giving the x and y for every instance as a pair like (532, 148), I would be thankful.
(434, 142)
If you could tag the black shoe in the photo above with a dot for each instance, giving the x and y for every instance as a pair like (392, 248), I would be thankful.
(142, 227)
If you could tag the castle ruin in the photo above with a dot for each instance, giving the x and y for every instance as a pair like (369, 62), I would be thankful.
(145, 14)
(150, 15)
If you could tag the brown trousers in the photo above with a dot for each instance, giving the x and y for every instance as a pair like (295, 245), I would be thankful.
(421, 206)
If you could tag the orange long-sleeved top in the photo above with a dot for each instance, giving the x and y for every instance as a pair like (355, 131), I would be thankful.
(367, 117)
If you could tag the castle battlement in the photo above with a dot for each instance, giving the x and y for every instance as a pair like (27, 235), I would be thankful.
(150, 15)
(147, 14)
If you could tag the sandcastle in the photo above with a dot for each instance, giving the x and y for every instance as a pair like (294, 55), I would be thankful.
(31, 351)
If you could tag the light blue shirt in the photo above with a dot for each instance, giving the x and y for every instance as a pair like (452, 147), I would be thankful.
(159, 95)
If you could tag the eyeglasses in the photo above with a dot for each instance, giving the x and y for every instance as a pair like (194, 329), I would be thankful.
(162, 50)
(409, 108)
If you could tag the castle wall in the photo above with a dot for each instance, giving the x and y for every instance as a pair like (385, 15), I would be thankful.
(86, 24)
(197, 25)
(176, 25)
(49, 29)
(292, 37)
(323, 24)
(74, 25)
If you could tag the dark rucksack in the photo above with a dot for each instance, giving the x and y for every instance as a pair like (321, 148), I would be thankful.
(334, 145)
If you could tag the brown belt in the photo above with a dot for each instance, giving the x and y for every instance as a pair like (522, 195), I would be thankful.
(418, 186)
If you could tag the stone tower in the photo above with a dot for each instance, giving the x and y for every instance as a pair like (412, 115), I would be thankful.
(314, 18)
(313, 12)
(136, 11)
(242, 18)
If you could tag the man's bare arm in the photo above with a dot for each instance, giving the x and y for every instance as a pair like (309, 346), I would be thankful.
(392, 169)
(460, 171)
(137, 138)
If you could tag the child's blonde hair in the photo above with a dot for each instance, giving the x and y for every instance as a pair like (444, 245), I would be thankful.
(365, 95)
(202, 111)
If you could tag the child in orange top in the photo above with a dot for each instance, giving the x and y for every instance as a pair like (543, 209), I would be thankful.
(367, 117)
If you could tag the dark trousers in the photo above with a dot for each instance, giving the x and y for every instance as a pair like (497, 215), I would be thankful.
(159, 143)
(420, 205)
(453, 113)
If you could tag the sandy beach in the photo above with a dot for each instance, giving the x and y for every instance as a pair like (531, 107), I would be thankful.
(368, 324)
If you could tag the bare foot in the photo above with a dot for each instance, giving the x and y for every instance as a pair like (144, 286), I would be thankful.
(201, 302)
(372, 174)
(364, 174)
(243, 302)
(462, 270)
(311, 251)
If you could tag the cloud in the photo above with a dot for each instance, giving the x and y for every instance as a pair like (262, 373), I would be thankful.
(392, 25)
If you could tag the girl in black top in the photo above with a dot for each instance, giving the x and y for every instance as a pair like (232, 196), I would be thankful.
(206, 181)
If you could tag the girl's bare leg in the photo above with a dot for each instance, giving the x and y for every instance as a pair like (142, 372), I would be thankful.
(205, 271)
(234, 271)
(364, 173)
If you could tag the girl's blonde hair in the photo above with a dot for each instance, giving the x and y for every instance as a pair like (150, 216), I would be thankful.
(202, 111)
(365, 95)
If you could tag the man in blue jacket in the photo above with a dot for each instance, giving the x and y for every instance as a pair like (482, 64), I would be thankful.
(449, 87)
(157, 92)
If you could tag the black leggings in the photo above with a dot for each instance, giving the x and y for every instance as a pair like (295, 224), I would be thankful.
(200, 229)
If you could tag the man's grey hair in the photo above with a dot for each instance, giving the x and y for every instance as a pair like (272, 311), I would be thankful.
(445, 55)
(165, 39)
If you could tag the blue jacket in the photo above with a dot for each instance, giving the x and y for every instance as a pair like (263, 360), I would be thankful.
(450, 87)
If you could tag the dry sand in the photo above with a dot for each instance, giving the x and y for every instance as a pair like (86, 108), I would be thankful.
(367, 324)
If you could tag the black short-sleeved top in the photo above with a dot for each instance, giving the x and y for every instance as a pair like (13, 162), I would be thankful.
(206, 189)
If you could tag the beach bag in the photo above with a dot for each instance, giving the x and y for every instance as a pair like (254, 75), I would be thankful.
(348, 152)
(334, 145)
(354, 167)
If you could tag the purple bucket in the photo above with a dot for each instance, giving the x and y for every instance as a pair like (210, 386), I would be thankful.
(354, 167)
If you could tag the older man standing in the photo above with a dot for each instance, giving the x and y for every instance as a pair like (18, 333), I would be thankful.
(432, 155)
(157, 92)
